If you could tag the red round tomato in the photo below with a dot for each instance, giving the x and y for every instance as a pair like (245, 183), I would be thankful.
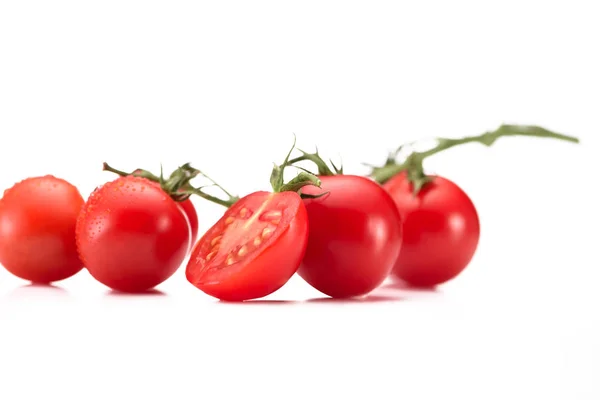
(355, 236)
(253, 250)
(37, 229)
(192, 216)
(187, 205)
(131, 235)
(440, 230)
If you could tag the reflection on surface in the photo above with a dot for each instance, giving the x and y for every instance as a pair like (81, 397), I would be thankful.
(370, 299)
(403, 286)
(37, 290)
(365, 300)
(261, 302)
(150, 292)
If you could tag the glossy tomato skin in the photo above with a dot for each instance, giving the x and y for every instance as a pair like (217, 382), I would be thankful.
(131, 235)
(441, 230)
(270, 262)
(192, 215)
(37, 229)
(355, 236)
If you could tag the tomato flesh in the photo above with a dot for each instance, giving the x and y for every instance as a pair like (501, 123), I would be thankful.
(355, 236)
(131, 235)
(441, 230)
(37, 229)
(253, 250)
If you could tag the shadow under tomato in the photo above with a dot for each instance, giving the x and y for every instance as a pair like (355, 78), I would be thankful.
(31, 290)
(261, 302)
(150, 292)
(405, 287)
(358, 300)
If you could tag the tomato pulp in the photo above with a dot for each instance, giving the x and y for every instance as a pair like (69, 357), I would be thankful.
(37, 229)
(355, 236)
(131, 235)
(253, 250)
(440, 230)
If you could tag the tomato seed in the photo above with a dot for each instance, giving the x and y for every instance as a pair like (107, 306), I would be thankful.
(242, 251)
(210, 255)
(257, 240)
(229, 260)
(229, 220)
(215, 240)
(243, 212)
(273, 216)
(266, 232)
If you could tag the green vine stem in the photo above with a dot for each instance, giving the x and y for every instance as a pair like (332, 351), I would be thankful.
(322, 167)
(413, 164)
(304, 178)
(178, 185)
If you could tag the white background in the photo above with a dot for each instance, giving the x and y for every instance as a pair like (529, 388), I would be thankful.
(224, 85)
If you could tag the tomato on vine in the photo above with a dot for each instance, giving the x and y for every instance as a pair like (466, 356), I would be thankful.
(134, 232)
(355, 233)
(257, 245)
(440, 223)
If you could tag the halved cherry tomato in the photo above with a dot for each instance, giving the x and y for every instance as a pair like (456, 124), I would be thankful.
(253, 250)
(441, 230)
(355, 236)
(132, 235)
(37, 229)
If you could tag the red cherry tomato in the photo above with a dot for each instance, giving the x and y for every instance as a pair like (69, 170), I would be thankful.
(440, 230)
(37, 229)
(131, 235)
(187, 205)
(355, 236)
(192, 215)
(253, 250)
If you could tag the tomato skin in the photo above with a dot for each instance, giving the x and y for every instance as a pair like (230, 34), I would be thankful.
(274, 264)
(131, 235)
(441, 230)
(355, 236)
(192, 215)
(37, 229)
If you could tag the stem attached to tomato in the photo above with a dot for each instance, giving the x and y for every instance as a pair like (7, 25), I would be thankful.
(304, 178)
(322, 167)
(178, 184)
(413, 164)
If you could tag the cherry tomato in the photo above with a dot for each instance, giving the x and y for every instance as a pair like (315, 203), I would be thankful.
(131, 235)
(37, 229)
(192, 215)
(187, 205)
(440, 230)
(253, 250)
(355, 236)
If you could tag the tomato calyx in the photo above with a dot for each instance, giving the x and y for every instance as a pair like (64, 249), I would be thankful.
(413, 164)
(322, 167)
(178, 185)
(304, 178)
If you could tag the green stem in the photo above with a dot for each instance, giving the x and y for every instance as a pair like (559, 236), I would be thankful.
(225, 203)
(322, 167)
(178, 184)
(138, 172)
(303, 179)
(415, 160)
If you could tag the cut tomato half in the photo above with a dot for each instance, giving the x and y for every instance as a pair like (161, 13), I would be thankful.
(253, 250)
